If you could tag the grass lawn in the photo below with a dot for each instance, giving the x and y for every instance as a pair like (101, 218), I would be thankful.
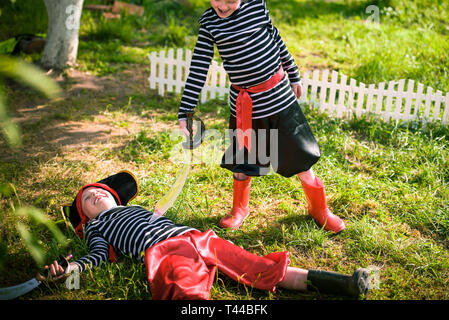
(388, 181)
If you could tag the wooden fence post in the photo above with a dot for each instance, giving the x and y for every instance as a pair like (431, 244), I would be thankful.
(323, 85)
(341, 96)
(408, 99)
(446, 110)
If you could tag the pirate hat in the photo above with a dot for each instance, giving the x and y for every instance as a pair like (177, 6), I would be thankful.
(123, 186)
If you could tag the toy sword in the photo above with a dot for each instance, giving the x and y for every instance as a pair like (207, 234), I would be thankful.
(193, 142)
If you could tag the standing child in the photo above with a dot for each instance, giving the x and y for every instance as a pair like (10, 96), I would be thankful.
(263, 98)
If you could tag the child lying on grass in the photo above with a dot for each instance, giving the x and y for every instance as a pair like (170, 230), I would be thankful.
(181, 261)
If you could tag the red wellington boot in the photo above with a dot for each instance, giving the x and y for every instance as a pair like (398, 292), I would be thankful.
(240, 209)
(317, 206)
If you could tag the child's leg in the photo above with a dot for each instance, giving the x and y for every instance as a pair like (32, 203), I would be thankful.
(240, 176)
(307, 176)
(339, 284)
(266, 272)
(240, 208)
(183, 267)
(317, 204)
(239, 264)
(295, 279)
(326, 281)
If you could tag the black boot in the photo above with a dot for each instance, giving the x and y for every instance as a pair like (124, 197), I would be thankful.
(339, 284)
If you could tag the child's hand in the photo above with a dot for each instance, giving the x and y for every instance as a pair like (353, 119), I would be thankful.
(55, 269)
(183, 127)
(297, 89)
(56, 272)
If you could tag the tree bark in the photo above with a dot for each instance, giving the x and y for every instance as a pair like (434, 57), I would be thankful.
(61, 46)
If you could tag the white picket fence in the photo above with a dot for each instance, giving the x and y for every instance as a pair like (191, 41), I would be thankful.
(335, 96)
(168, 73)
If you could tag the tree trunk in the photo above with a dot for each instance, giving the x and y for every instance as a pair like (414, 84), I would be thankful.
(61, 46)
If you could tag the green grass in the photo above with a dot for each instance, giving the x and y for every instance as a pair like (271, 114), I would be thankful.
(388, 181)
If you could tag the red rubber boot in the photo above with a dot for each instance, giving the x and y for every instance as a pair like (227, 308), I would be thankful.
(240, 208)
(317, 206)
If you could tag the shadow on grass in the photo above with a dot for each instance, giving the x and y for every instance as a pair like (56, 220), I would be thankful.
(49, 126)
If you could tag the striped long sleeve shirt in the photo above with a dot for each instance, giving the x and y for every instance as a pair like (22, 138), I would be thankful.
(130, 230)
(252, 51)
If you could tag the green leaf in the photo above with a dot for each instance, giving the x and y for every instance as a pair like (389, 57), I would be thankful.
(10, 129)
(30, 241)
(38, 217)
(28, 74)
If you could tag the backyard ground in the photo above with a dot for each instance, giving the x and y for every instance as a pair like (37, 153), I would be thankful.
(388, 181)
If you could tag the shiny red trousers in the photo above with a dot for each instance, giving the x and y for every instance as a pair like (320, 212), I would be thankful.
(184, 267)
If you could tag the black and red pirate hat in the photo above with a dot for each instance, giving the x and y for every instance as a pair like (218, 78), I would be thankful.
(122, 185)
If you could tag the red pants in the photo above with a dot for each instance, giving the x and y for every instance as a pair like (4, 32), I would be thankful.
(184, 267)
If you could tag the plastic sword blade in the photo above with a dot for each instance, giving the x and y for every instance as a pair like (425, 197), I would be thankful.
(18, 290)
(192, 142)
(170, 197)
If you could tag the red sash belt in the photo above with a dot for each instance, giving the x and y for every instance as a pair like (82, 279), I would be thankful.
(244, 108)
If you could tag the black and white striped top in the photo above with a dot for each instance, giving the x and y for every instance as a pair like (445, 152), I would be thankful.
(252, 52)
(130, 230)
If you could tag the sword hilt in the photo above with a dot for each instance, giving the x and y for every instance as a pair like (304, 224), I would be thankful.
(190, 126)
(63, 261)
(194, 141)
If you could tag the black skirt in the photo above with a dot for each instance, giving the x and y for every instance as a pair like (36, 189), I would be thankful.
(283, 141)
